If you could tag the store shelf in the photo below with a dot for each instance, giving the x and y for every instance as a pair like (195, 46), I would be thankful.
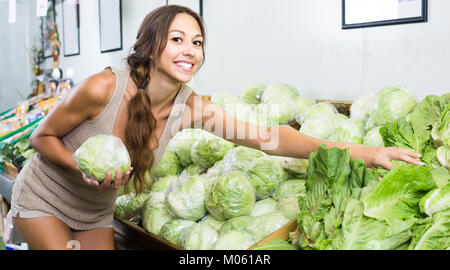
(6, 184)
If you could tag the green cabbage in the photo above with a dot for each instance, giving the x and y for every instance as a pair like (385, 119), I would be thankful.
(277, 90)
(234, 240)
(235, 224)
(289, 205)
(231, 195)
(321, 110)
(169, 164)
(239, 158)
(304, 104)
(436, 200)
(212, 221)
(186, 197)
(281, 109)
(262, 226)
(347, 131)
(369, 124)
(100, 154)
(164, 183)
(390, 104)
(153, 218)
(209, 149)
(265, 174)
(192, 169)
(252, 94)
(295, 167)
(263, 207)
(172, 229)
(181, 144)
(360, 108)
(129, 203)
(197, 237)
(156, 199)
(373, 137)
(319, 127)
(233, 105)
(290, 187)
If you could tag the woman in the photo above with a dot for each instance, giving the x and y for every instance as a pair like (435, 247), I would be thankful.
(54, 203)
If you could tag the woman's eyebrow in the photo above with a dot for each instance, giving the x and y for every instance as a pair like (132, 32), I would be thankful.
(182, 32)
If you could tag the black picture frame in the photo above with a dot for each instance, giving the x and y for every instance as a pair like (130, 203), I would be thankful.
(45, 43)
(71, 28)
(110, 21)
(413, 19)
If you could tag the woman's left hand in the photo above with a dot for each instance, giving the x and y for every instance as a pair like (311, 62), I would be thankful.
(107, 183)
(382, 156)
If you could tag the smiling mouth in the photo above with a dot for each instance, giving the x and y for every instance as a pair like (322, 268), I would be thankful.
(184, 66)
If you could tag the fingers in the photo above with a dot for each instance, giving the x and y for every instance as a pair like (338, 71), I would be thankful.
(409, 156)
(118, 180)
(387, 164)
(90, 181)
(109, 181)
(409, 152)
(411, 160)
(106, 182)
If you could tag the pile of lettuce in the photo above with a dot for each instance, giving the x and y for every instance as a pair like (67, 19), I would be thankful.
(207, 193)
(349, 206)
(265, 105)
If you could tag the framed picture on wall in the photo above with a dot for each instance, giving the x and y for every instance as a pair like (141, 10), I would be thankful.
(367, 13)
(110, 21)
(195, 5)
(71, 28)
(48, 25)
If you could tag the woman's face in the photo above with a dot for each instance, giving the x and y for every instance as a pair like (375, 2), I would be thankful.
(183, 53)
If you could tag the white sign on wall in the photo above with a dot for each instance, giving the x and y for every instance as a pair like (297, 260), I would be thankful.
(12, 11)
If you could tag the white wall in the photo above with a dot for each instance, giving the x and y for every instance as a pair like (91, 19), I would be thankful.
(302, 43)
(15, 68)
(91, 60)
(293, 41)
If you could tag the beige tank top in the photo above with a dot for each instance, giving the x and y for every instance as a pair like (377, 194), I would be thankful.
(45, 186)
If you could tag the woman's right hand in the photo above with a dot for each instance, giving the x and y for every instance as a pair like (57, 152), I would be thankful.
(106, 183)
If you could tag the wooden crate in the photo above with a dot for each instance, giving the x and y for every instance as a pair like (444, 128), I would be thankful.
(130, 229)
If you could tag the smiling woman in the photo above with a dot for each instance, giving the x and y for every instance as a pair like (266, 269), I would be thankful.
(53, 203)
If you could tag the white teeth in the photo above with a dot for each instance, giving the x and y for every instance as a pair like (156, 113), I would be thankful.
(185, 65)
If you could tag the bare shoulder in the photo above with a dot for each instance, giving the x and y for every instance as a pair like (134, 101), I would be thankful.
(98, 88)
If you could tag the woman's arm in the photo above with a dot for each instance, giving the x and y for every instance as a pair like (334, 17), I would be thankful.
(83, 102)
(285, 141)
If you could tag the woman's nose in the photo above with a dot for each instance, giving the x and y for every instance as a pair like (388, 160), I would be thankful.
(188, 49)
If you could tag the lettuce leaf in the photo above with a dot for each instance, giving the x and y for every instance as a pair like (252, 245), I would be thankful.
(398, 194)
(361, 232)
(433, 233)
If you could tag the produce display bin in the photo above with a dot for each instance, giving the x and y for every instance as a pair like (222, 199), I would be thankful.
(130, 228)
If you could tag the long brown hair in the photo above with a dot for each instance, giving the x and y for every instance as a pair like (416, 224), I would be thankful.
(150, 44)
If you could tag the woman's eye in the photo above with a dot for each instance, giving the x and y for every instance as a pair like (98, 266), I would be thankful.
(198, 43)
(176, 39)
